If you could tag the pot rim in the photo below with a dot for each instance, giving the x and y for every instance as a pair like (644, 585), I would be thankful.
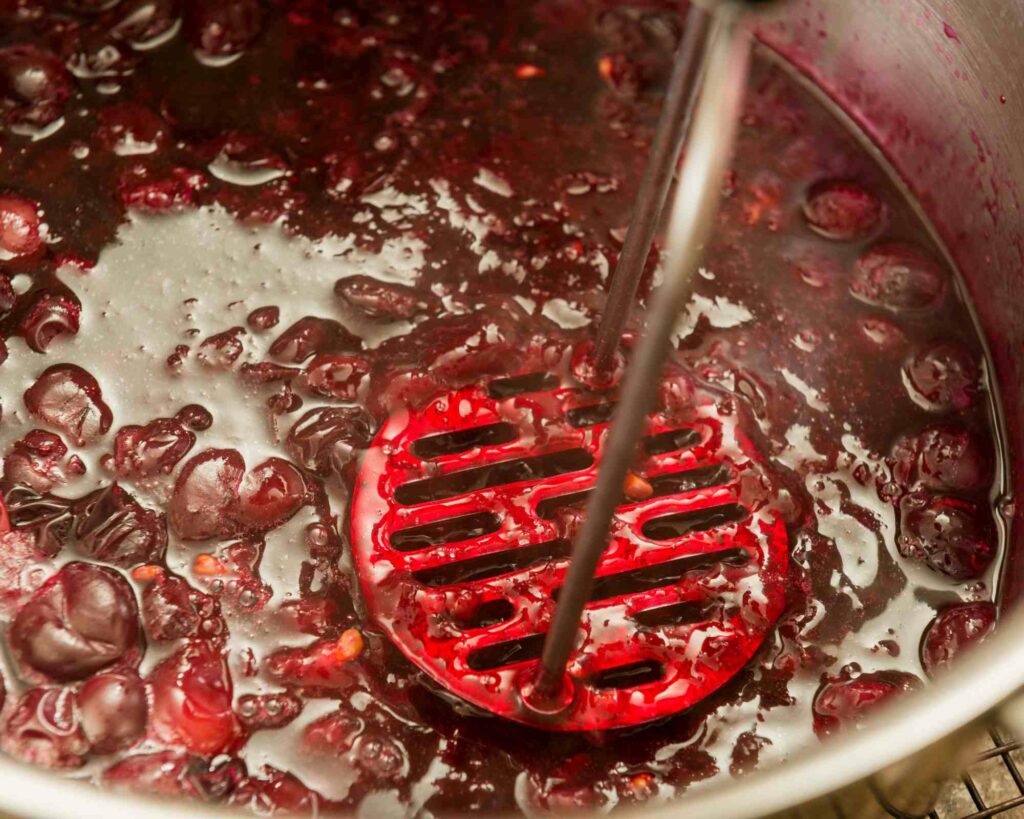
(977, 686)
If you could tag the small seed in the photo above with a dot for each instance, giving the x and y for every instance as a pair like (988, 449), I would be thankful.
(208, 566)
(637, 488)
(528, 72)
(349, 645)
(147, 572)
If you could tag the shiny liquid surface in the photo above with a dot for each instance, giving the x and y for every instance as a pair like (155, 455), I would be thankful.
(236, 237)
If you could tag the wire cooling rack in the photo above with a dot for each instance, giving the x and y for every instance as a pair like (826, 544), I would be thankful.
(992, 786)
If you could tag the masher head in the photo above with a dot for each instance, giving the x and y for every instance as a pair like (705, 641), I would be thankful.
(463, 515)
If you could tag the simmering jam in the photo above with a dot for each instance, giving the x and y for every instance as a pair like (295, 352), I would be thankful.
(239, 238)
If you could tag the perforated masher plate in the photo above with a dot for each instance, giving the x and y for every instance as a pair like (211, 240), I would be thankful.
(462, 519)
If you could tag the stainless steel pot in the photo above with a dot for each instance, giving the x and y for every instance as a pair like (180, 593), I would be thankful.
(939, 87)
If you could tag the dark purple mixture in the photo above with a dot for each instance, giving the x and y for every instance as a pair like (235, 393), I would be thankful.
(464, 173)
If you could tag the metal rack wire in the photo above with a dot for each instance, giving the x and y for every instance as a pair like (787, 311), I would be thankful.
(992, 786)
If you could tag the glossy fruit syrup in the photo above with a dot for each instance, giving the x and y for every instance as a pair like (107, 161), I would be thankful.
(237, 237)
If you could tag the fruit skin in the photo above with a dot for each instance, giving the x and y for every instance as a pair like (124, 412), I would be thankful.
(47, 317)
(944, 458)
(34, 87)
(841, 210)
(385, 301)
(113, 527)
(842, 701)
(48, 519)
(172, 609)
(67, 397)
(952, 536)
(311, 336)
(83, 619)
(898, 277)
(264, 318)
(18, 549)
(222, 350)
(19, 227)
(192, 701)
(324, 665)
(8, 298)
(165, 773)
(113, 711)
(153, 449)
(204, 494)
(215, 497)
(128, 128)
(40, 460)
(161, 190)
(140, 20)
(445, 351)
(336, 375)
(953, 630)
(195, 416)
(942, 378)
(326, 439)
(44, 728)
(276, 791)
(267, 372)
(270, 494)
(222, 27)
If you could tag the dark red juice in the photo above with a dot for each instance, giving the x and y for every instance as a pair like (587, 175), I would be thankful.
(236, 238)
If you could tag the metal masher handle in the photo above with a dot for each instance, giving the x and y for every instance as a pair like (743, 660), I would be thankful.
(694, 214)
(673, 124)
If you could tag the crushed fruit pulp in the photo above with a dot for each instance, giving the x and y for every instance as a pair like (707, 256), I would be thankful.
(236, 236)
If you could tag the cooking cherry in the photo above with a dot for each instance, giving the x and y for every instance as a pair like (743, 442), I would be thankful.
(34, 87)
(192, 699)
(172, 609)
(40, 460)
(153, 449)
(945, 459)
(113, 527)
(47, 317)
(222, 350)
(140, 21)
(263, 318)
(206, 494)
(70, 399)
(276, 791)
(81, 620)
(841, 702)
(165, 773)
(44, 728)
(113, 711)
(898, 277)
(270, 494)
(841, 210)
(953, 536)
(953, 630)
(389, 301)
(326, 439)
(19, 227)
(222, 27)
(336, 375)
(127, 129)
(196, 417)
(942, 377)
(309, 336)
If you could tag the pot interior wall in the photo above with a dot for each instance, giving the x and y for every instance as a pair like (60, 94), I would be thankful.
(939, 86)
